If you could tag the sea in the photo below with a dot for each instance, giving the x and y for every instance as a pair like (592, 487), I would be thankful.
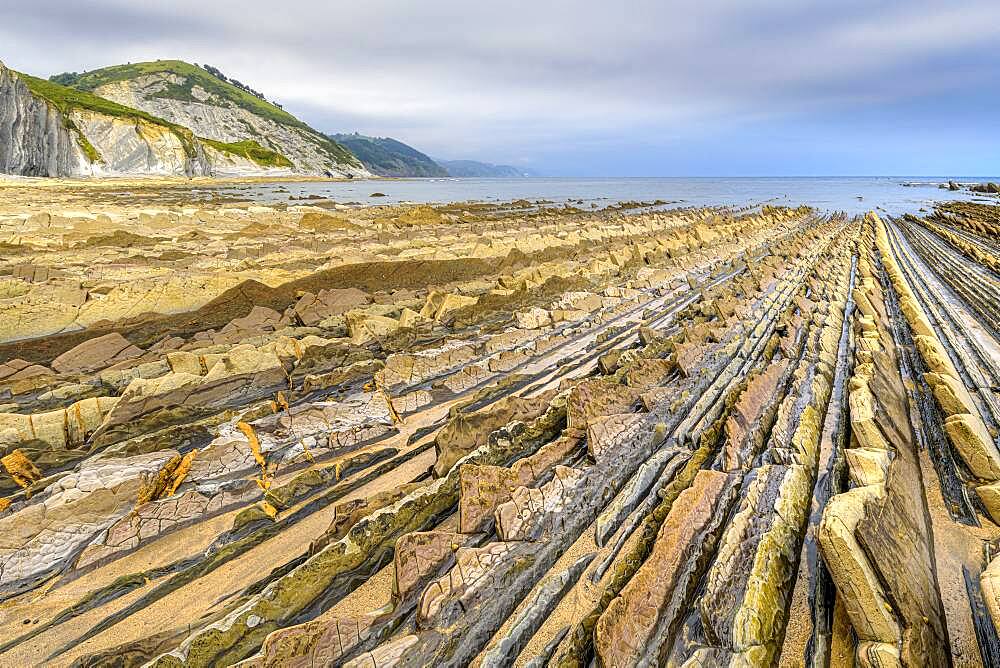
(893, 195)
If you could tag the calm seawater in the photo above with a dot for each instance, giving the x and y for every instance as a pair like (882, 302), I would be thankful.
(849, 194)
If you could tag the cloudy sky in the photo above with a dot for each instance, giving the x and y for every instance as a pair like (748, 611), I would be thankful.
(642, 87)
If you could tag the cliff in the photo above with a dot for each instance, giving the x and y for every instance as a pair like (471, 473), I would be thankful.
(47, 129)
(386, 156)
(35, 140)
(219, 109)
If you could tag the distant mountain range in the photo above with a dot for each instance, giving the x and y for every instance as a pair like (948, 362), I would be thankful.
(471, 168)
(169, 117)
(390, 157)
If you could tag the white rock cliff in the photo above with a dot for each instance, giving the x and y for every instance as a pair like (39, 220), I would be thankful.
(37, 138)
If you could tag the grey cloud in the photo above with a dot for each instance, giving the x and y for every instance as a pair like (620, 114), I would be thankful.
(503, 79)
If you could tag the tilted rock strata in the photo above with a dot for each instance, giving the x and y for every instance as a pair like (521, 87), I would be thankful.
(654, 438)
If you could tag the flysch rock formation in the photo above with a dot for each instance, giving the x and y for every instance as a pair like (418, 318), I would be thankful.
(34, 139)
(47, 129)
(211, 113)
(513, 434)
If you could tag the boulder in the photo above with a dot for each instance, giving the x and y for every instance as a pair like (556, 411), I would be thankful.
(989, 581)
(260, 319)
(319, 221)
(363, 328)
(534, 513)
(867, 467)
(467, 431)
(598, 398)
(951, 393)
(439, 304)
(990, 497)
(18, 369)
(533, 318)
(864, 428)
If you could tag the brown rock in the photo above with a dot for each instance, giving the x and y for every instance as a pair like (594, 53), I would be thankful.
(96, 354)
(320, 642)
(481, 490)
(312, 309)
(260, 319)
(467, 431)
(645, 374)
(18, 369)
(654, 597)
(597, 398)
(420, 556)
(325, 222)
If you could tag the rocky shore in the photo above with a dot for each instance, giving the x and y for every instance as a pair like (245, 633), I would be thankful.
(507, 434)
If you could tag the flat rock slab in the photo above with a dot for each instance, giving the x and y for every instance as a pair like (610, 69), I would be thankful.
(626, 630)
(96, 353)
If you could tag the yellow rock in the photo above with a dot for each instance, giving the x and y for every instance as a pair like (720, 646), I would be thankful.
(990, 496)
(185, 362)
(439, 303)
(989, 581)
(969, 436)
(61, 428)
(862, 405)
(951, 394)
(364, 328)
(878, 655)
(408, 318)
(320, 221)
(856, 581)
(866, 466)
(934, 355)
(21, 469)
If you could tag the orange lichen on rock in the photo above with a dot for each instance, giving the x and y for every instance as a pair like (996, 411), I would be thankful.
(21, 469)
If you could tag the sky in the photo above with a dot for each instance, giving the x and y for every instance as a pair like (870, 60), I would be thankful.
(585, 88)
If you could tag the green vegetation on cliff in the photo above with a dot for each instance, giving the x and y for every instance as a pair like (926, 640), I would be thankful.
(388, 157)
(67, 99)
(192, 75)
(250, 150)
(180, 80)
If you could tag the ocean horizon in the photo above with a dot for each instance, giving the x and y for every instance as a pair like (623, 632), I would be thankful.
(893, 195)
